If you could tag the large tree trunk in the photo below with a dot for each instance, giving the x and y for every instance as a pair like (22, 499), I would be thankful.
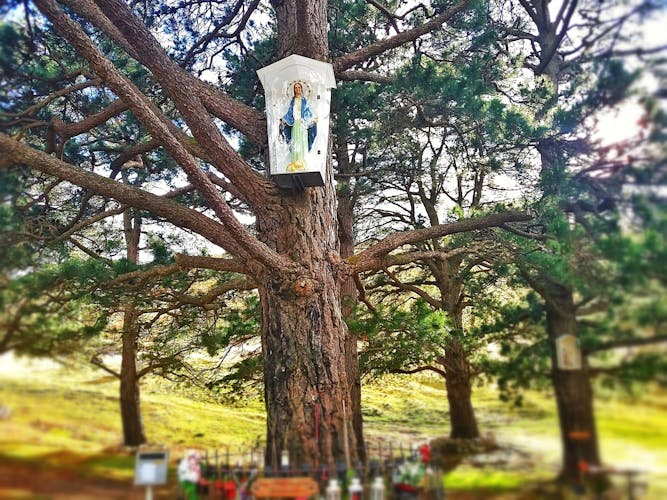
(302, 28)
(458, 380)
(457, 371)
(303, 336)
(303, 333)
(130, 411)
(574, 394)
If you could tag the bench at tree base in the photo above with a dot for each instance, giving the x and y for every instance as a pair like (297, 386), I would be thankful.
(284, 487)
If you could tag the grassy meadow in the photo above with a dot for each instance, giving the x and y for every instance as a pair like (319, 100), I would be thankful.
(71, 416)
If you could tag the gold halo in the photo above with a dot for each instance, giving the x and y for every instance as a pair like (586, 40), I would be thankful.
(288, 91)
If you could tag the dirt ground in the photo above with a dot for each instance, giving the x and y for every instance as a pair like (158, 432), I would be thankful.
(20, 481)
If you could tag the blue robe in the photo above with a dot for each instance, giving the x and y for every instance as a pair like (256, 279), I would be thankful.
(306, 116)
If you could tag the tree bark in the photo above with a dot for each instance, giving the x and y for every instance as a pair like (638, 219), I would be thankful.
(303, 335)
(458, 374)
(458, 381)
(130, 410)
(302, 28)
(574, 394)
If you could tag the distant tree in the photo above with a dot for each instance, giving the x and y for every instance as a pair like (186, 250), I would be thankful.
(568, 47)
(164, 318)
(449, 147)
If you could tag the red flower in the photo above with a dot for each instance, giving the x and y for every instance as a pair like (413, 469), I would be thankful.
(425, 452)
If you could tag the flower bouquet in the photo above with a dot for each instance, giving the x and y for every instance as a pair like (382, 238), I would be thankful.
(408, 479)
(414, 475)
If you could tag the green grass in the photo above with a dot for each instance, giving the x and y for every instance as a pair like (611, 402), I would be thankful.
(633, 434)
(468, 478)
(72, 416)
(61, 410)
(392, 408)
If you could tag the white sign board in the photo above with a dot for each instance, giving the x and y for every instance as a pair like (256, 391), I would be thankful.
(298, 97)
(151, 467)
(568, 354)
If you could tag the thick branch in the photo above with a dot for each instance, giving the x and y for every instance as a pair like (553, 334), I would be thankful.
(131, 152)
(89, 222)
(546, 56)
(421, 369)
(366, 76)
(390, 15)
(362, 293)
(408, 257)
(214, 263)
(203, 300)
(89, 252)
(55, 95)
(67, 130)
(98, 362)
(143, 276)
(129, 195)
(365, 260)
(632, 342)
(592, 306)
(518, 33)
(153, 366)
(375, 49)
(406, 287)
(525, 234)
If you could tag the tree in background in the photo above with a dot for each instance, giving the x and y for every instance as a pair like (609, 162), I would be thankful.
(450, 146)
(574, 57)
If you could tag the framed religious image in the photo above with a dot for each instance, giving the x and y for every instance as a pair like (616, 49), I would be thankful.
(298, 96)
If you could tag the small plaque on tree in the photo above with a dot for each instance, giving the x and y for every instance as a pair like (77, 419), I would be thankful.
(568, 353)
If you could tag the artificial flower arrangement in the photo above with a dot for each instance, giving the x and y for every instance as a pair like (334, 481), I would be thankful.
(411, 474)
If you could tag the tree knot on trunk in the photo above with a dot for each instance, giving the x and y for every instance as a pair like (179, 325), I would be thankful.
(304, 286)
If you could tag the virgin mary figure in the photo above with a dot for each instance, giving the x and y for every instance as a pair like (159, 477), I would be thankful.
(299, 128)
